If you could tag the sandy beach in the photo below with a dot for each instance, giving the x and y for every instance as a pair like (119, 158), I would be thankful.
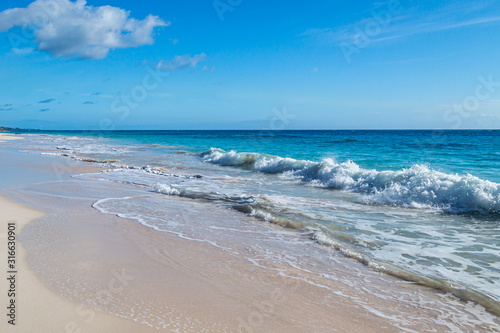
(9, 137)
(80, 270)
(38, 309)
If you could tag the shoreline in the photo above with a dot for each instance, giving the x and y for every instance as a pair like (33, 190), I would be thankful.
(9, 137)
(184, 278)
(190, 292)
(189, 285)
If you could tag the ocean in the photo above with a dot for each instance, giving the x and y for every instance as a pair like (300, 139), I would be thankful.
(420, 205)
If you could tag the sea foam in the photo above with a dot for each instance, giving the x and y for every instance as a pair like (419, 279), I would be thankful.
(416, 187)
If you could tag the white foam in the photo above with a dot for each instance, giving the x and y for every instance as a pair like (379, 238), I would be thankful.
(167, 189)
(415, 187)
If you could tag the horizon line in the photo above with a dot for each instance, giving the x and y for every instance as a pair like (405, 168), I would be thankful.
(10, 129)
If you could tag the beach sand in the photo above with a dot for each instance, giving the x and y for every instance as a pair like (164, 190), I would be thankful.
(9, 137)
(168, 282)
(80, 270)
(37, 308)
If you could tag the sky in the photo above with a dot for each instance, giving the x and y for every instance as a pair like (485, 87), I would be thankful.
(240, 64)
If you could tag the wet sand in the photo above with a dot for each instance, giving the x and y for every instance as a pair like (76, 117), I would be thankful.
(84, 271)
(38, 309)
(118, 266)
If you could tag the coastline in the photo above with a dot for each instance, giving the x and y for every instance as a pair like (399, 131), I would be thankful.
(179, 287)
(189, 282)
(174, 168)
(189, 285)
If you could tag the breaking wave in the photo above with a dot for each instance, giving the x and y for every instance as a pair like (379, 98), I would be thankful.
(414, 187)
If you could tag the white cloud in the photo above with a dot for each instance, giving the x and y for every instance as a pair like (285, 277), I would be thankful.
(181, 62)
(74, 30)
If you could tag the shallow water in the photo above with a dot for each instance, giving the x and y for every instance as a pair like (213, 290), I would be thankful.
(424, 202)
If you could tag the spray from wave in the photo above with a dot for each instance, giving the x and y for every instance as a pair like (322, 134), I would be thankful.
(414, 187)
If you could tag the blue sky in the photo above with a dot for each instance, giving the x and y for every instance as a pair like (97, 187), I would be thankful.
(231, 64)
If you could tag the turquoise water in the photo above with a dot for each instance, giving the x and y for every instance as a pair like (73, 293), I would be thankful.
(475, 152)
(421, 205)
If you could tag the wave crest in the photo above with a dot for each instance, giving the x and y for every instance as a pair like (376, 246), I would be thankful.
(414, 187)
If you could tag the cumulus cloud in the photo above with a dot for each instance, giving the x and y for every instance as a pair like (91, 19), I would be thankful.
(74, 30)
(46, 101)
(181, 62)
